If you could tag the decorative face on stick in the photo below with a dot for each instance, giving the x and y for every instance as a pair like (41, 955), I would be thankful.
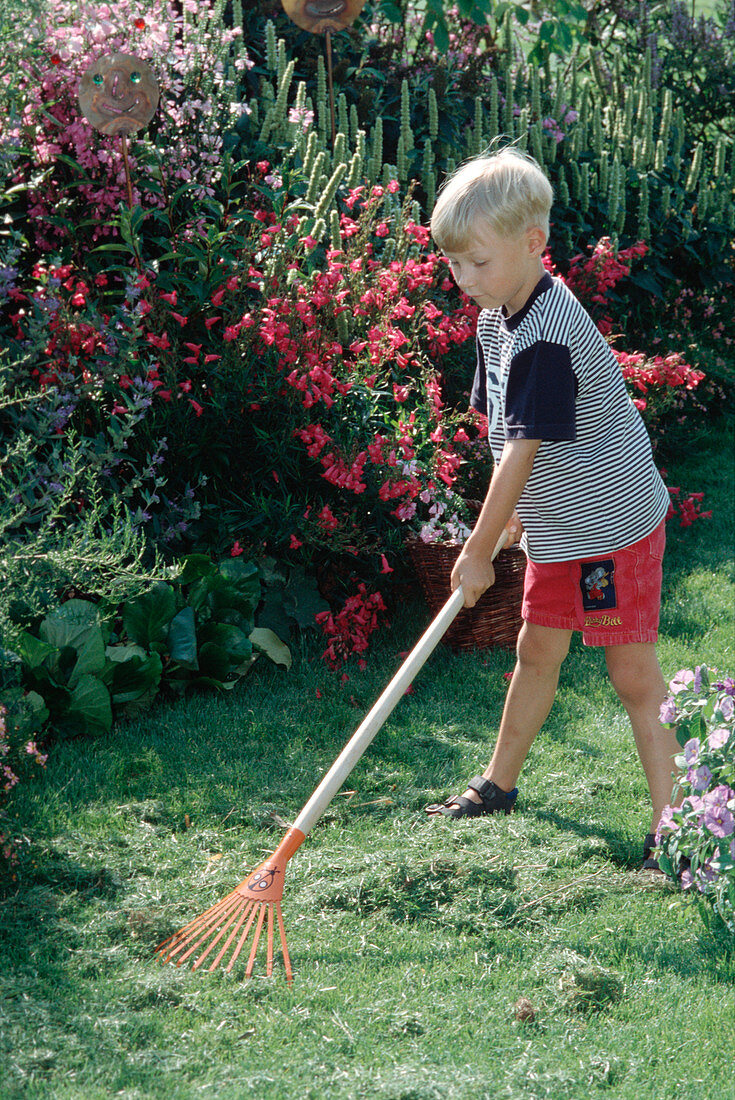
(118, 94)
(320, 16)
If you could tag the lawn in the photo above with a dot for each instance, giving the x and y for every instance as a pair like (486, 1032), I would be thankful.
(523, 957)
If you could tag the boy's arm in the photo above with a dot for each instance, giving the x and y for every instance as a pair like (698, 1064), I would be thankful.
(473, 569)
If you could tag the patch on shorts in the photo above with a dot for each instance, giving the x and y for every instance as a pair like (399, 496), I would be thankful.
(598, 585)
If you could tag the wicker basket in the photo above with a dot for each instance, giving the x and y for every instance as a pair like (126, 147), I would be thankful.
(495, 619)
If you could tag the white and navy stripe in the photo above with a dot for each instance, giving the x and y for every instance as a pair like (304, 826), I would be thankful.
(549, 374)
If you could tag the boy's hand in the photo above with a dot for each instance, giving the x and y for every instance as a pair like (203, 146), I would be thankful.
(514, 527)
(474, 571)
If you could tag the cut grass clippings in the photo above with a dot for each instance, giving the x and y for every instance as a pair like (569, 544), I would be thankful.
(518, 957)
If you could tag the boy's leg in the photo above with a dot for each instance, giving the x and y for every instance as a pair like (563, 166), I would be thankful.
(540, 653)
(636, 676)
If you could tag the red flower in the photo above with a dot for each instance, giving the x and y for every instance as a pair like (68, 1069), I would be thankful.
(139, 24)
(295, 543)
(236, 550)
(196, 406)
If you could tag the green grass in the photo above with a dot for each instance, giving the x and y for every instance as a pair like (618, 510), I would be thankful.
(413, 942)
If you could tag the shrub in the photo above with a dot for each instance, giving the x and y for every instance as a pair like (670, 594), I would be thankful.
(697, 837)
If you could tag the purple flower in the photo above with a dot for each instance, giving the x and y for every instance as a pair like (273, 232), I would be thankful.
(667, 713)
(687, 880)
(727, 707)
(681, 681)
(691, 751)
(700, 778)
(719, 737)
(719, 821)
(718, 796)
(666, 822)
(694, 803)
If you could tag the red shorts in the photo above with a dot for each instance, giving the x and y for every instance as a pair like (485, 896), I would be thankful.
(614, 599)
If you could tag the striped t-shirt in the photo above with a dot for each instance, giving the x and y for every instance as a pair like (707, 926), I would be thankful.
(547, 373)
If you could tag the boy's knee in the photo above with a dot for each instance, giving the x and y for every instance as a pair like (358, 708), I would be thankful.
(542, 647)
(635, 676)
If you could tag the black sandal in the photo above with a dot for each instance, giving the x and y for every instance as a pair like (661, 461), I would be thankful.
(650, 863)
(494, 801)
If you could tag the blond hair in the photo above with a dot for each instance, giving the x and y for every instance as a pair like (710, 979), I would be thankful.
(507, 190)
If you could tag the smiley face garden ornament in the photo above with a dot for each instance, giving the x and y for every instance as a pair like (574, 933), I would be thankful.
(323, 16)
(118, 94)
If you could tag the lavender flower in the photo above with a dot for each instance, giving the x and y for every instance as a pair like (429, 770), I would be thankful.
(718, 738)
(667, 712)
(719, 821)
(691, 751)
(699, 778)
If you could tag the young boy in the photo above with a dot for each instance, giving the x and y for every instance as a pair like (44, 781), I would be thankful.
(573, 472)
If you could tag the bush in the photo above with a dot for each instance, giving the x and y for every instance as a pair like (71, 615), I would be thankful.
(696, 838)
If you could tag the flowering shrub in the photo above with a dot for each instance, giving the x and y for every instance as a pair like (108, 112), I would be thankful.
(697, 838)
(21, 719)
(78, 174)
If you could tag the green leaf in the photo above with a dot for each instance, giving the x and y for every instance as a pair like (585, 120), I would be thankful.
(90, 707)
(182, 639)
(33, 651)
(75, 626)
(196, 566)
(134, 674)
(146, 619)
(265, 641)
(302, 600)
(230, 639)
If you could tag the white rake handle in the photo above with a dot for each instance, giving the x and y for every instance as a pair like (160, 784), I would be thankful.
(381, 709)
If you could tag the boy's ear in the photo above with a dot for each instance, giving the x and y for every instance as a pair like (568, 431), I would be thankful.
(536, 240)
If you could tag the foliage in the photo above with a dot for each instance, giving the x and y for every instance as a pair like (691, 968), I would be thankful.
(692, 53)
(22, 716)
(90, 661)
(697, 836)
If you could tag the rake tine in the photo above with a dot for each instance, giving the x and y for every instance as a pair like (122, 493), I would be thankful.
(204, 921)
(231, 919)
(284, 948)
(184, 934)
(231, 936)
(254, 948)
(205, 929)
(243, 938)
(269, 953)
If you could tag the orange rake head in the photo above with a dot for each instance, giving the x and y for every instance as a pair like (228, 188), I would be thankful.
(251, 905)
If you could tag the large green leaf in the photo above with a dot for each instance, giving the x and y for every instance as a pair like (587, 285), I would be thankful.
(265, 641)
(134, 675)
(31, 650)
(76, 626)
(182, 639)
(146, 619)
(90, 707)
(223, 650)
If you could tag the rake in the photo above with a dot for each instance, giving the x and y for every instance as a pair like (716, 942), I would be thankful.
(256, 902)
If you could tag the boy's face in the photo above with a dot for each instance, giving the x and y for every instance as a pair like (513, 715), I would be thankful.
(499, 271)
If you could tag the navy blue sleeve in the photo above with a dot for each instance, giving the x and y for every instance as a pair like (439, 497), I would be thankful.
(478, 397)
(541, 394)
